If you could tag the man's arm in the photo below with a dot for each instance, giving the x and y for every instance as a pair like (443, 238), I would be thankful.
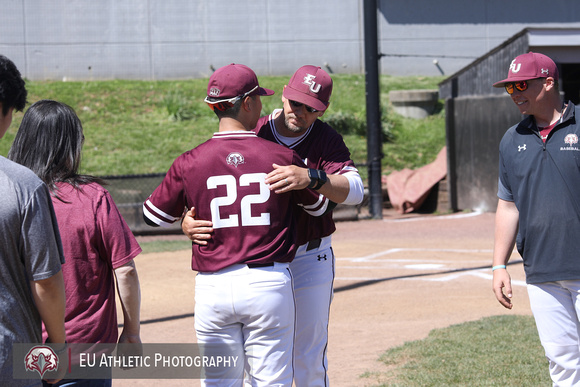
(48, 294)
(506, 229)
(336, 189)
(198, 231)
(49, 297)
(130, 296)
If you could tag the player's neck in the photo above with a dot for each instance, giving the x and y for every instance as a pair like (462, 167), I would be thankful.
(228, 124)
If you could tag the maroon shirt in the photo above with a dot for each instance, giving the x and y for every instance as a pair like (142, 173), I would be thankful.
(223, 179)
(95, 240)
(321, 148)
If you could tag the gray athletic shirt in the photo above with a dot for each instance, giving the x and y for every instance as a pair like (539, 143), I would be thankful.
(30, 249)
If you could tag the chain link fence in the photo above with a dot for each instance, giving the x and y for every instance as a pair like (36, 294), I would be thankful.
(129, 192)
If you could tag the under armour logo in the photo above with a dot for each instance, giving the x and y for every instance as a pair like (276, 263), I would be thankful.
(514, 68)
(521, 148)
(320, 258)
(309, 80)
(545, 71)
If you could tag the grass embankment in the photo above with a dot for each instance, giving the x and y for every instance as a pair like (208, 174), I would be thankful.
(137, 127)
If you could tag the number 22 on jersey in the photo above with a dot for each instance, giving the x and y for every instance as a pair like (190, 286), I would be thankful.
(246, 202)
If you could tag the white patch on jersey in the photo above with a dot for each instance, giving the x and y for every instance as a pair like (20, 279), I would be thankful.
(235, 159)
(571, 139)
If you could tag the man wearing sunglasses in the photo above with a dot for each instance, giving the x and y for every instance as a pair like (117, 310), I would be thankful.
(331, 173)
(539, 210)
(243, 289)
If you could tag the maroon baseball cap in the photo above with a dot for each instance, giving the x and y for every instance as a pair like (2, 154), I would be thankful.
(311, 86)
(530, 66)
(234, 80)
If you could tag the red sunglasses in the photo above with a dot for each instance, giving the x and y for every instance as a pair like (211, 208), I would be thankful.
(520, 86)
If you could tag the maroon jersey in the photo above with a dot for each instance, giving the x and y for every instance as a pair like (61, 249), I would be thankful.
(96, 240)
(223, 179)
(321, 147)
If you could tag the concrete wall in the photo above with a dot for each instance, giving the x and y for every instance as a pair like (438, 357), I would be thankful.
(176, 39)
(414, 34)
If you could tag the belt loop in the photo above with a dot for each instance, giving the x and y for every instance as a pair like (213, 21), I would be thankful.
(256, 265)
(314, 244)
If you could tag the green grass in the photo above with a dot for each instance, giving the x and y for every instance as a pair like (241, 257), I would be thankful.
(164, 246)
(137, 127)
(494, 351)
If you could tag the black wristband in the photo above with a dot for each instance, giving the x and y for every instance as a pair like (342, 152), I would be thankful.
(321, 179)
(313, 175)
(317, 178)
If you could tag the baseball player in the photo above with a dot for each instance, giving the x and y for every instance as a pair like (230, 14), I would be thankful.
(332, 173)
(243, 291)
(539, 210)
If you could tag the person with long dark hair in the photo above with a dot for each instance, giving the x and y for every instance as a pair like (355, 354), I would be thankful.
(98, 245)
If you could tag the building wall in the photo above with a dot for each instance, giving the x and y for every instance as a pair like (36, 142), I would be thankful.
(473, 137)
(177, 39)
(414, 34)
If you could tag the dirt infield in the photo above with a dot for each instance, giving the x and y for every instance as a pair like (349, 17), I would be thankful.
(396, 279)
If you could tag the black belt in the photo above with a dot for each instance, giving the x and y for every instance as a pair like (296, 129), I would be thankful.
(255, 265)
(313, 244)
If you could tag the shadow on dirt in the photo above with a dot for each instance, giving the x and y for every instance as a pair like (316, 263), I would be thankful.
(375, 281)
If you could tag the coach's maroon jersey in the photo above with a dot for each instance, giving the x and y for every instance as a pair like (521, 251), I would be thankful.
(223, 179)
(321, 147)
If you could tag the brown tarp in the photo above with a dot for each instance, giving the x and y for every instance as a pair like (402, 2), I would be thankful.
(409, 188)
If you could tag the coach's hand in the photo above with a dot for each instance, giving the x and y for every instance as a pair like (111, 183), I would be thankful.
(286, 178)
(502, 287)
(198, 231)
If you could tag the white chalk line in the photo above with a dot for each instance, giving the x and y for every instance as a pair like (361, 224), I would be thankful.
(419, 264)
(480, 273)
(407, 249)
(438, 217)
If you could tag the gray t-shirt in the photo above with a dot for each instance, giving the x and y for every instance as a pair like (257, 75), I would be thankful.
(30, 249)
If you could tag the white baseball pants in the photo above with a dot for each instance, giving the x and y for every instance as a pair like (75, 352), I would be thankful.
(253, 306)
(556, 307)
(313, 275)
